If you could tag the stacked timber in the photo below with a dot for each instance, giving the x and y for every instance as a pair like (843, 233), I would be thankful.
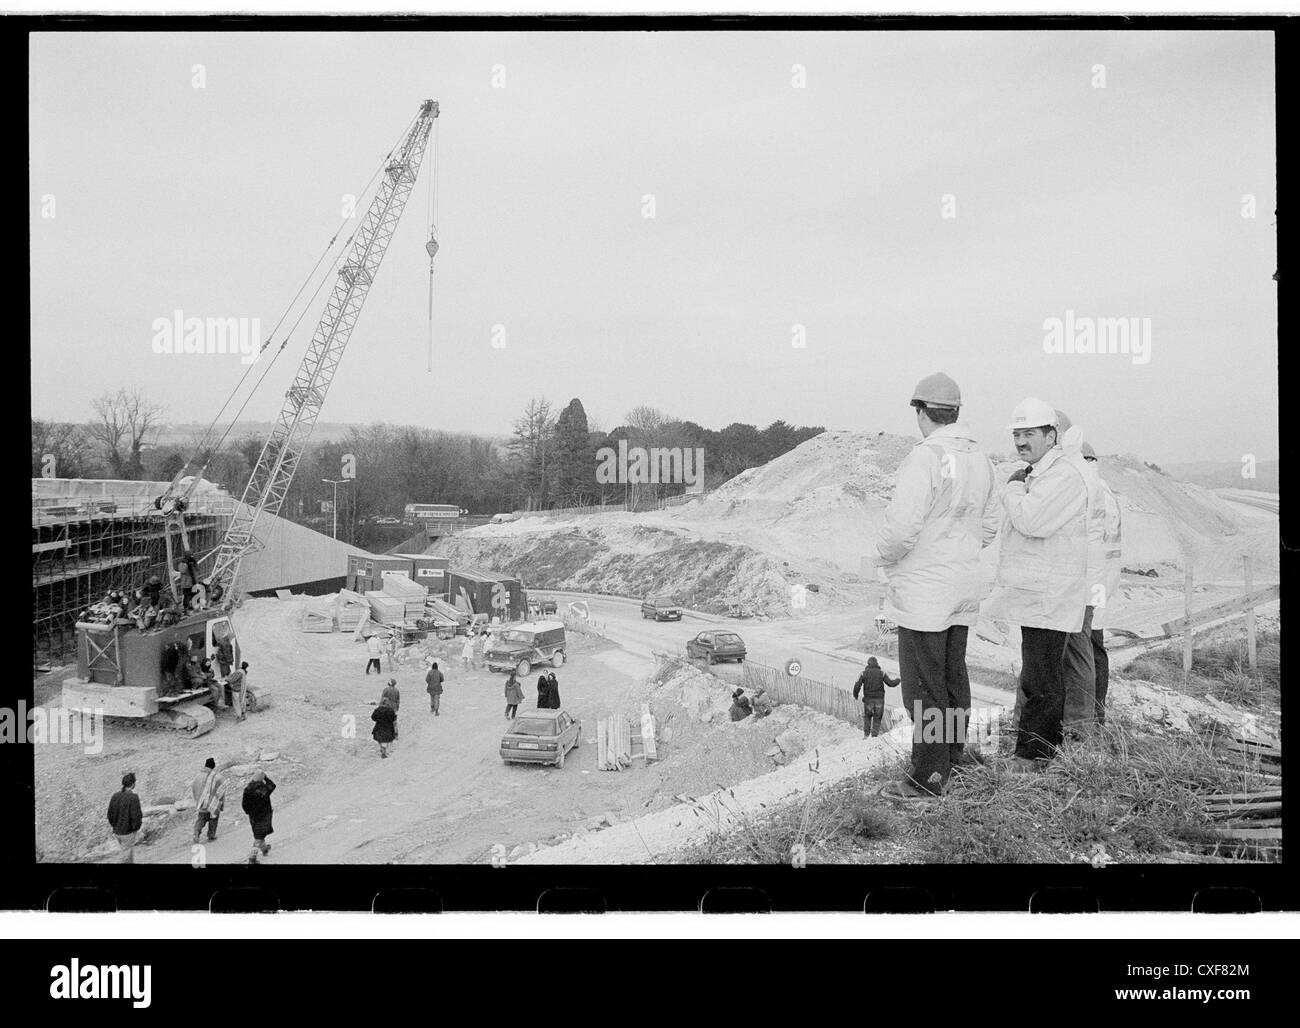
(319, 617)
(385, 609)
(618, 744)
(412, 596)
(352, 609)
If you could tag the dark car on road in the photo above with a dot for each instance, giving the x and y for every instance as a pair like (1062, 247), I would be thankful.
(540, 737)
(716, 645)
(661, 608)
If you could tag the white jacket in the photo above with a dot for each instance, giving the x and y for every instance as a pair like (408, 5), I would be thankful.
(375, 646)
(1043, 564)
(944, 511)
(1104, 531)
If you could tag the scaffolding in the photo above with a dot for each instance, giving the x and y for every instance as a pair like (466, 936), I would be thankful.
(84, 547)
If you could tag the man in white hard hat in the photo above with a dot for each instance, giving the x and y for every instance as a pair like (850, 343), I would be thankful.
(1042, 571)
(942, 514)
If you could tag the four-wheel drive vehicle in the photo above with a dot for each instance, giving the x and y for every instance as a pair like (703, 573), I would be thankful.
(540, 737)
(661, 608)
(526, 645)
(714, 646)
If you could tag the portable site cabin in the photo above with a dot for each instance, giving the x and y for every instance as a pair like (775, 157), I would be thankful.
(486, 592)
(366, 572)
(430, 572)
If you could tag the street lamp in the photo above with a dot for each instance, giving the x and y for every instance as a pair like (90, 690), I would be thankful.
(336, 482)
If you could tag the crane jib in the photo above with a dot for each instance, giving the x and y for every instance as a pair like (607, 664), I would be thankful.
(269, 482)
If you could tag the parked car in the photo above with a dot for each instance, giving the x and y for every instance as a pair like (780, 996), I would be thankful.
(715, 645)
(502, 519)
(549, 606)
(526, 645)
(661, 608)
(540, 737)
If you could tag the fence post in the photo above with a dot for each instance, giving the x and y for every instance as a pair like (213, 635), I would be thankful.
(1250, 614)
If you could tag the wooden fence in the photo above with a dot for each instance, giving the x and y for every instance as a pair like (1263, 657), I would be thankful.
(808, 692)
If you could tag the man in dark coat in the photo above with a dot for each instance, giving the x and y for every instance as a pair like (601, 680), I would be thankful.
(553, 690)
(125, 817)
(433, 686)
(394, 698)
(740, 706)
(257, 805)
(543, 691)
(385, 730)
(871, 683)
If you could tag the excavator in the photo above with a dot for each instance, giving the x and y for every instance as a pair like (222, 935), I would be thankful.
(127, 668)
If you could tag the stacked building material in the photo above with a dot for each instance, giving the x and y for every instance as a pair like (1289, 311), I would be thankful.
(441, 614)
(413, 596)
(353, 608)
(319, 617)
(385, 609)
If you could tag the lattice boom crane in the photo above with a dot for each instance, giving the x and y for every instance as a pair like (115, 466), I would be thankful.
(275, 468)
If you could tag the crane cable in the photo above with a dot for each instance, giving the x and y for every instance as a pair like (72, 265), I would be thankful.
(433, 232)
(275, 328)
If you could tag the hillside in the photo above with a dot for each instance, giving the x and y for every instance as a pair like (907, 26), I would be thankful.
(810, 515)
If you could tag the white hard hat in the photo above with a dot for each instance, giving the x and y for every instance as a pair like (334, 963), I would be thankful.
(1033, 413)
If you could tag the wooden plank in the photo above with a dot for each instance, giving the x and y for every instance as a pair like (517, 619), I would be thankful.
(1242, 809)
(601, 747)
(1251, 834)
(648, 732)
(1263, 795)
(1263, 822)
(1222, 610)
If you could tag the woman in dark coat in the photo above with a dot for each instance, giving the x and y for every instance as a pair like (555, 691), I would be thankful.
(553, 691)
(514, 695)
(543, 692)
(385, 730)
(257, 805)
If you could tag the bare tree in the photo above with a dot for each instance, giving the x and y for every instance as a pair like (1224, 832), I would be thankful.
(62, 450)
(125, 421)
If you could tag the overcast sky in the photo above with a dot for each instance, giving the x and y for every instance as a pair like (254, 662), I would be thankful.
(775, 206)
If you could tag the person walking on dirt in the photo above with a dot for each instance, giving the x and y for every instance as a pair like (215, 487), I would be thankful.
(125, 817)
(467, 652)
(943, 512)
(375, 647)
(257, 805)
(394, 699)
(514, 695)
(385, 730)
(872, 683)
(480, 649)
(209, 789)
(433, 686)
(552, 690)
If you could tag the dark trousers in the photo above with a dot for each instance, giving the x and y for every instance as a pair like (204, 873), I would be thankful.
(932, 666)
(1042, 678)
(511, 708)
(435, 701)
(204, 818)
(1080, 678)
(1101, 661)
(872, 713)
(373, 661)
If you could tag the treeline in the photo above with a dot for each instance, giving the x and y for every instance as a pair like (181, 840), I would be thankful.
(550, 461)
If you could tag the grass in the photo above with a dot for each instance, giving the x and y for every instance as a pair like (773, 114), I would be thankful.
(1219, 668)
(813, 830)
(1121, 795)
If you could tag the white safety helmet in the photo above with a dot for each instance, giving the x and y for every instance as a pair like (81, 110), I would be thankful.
(1032, 413)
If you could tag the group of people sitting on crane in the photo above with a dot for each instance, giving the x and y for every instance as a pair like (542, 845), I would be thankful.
(144, 607)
